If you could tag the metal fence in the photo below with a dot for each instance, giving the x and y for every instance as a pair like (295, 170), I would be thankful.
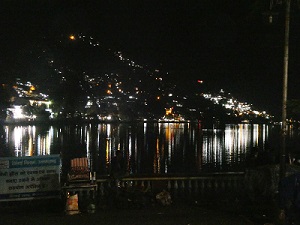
(204, 185)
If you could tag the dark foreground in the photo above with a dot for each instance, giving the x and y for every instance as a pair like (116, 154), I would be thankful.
(178, 213)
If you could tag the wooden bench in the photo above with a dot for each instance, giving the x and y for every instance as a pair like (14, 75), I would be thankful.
(80, 170)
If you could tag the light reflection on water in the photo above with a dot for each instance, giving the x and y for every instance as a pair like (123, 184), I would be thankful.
(150, 148)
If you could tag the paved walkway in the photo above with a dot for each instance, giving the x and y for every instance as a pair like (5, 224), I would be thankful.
(178, 213)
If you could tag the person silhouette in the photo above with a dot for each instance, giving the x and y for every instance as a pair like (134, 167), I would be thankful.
(289, 199)
(118, 166)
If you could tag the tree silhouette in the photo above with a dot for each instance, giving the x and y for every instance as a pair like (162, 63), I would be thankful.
(5, 94)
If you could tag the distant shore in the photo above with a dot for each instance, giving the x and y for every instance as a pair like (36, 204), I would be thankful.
(68, 121)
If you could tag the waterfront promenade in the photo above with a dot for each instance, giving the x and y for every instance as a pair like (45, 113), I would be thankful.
(134, 206)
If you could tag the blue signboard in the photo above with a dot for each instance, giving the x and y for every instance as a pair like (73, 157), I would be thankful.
(30, 177)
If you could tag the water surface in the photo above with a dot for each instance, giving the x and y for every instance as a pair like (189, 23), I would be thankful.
(150, 148)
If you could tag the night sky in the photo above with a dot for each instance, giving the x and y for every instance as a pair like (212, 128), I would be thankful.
(228, 44)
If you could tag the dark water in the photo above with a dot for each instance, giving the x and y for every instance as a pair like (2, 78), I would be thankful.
(150, 148)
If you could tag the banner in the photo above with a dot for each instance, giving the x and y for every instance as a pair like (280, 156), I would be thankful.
(30, 177)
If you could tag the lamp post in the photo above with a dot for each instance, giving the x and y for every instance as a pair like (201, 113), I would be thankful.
(285, 88)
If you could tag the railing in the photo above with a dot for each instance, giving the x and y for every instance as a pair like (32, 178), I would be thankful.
(204, 185)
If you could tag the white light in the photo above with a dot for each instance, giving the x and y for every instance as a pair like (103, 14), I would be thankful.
(18, 114)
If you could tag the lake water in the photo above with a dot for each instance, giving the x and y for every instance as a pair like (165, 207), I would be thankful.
(150, 148)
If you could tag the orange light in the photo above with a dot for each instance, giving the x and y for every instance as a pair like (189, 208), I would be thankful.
(169, 111)
(72, 37)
